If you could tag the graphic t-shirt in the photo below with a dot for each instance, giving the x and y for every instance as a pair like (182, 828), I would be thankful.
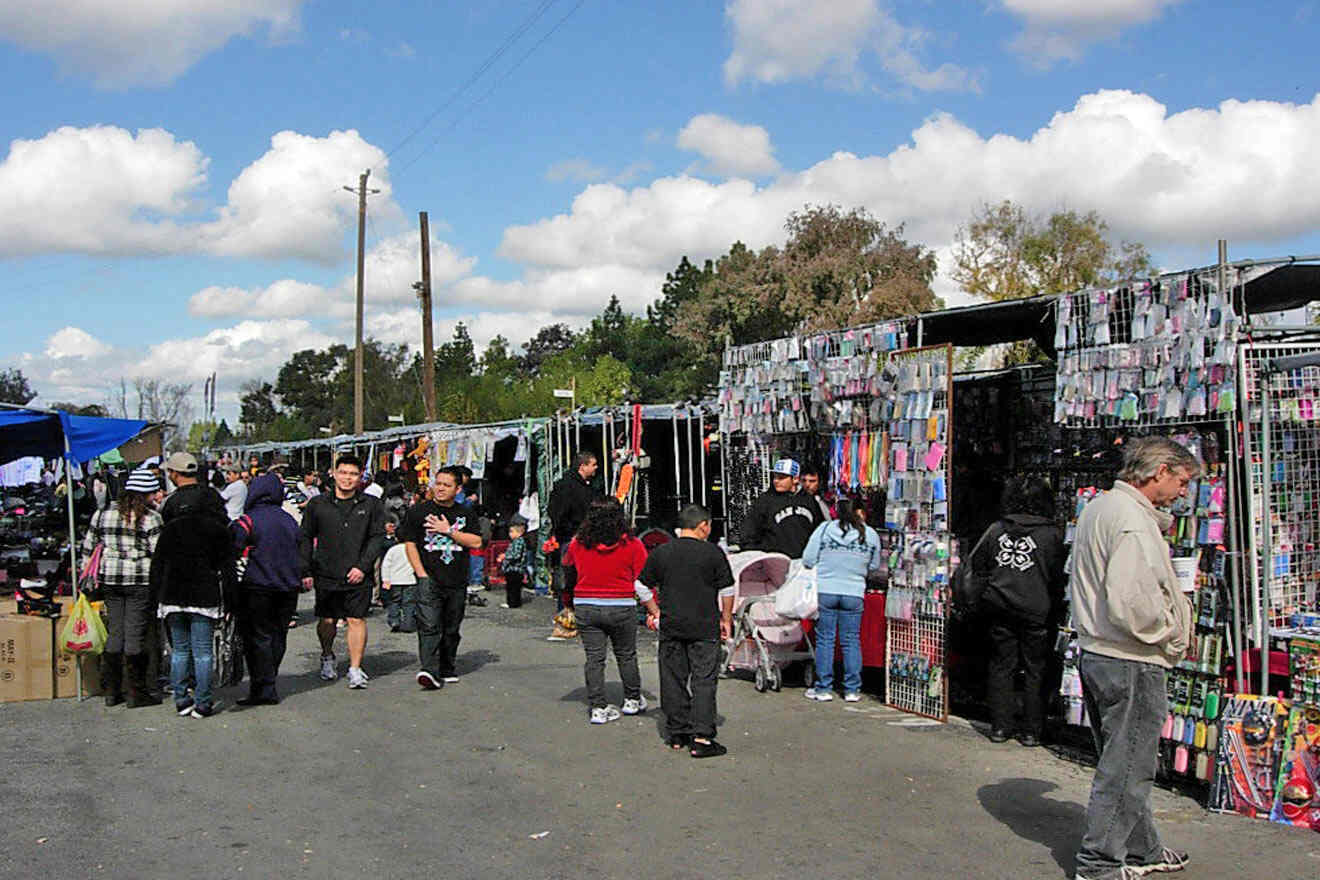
(445, 560)
(687, 576)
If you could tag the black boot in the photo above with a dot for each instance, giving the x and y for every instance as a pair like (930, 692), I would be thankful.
(139, 694)
(112, 678)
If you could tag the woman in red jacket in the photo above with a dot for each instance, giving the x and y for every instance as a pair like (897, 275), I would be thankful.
(608, 561)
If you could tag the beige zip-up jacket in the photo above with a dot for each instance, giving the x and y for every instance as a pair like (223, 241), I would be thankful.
(1126, 601)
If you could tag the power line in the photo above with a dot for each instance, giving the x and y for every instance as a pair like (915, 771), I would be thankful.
(504, 78)
(478, 73)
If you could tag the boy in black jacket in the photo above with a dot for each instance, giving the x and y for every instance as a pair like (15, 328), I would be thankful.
(692, 580)
(781, 520)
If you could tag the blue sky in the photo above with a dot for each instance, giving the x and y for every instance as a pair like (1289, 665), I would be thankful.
(170, 187)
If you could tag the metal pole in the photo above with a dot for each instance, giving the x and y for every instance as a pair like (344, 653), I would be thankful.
(73, 547)
(1233, 570)
(724, 482)
(1251, 561)
(701, 450)
(604, 444)
(678, 479)
(692, 465)
(1267, 534)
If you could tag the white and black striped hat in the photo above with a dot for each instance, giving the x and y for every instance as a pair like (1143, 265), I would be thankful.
(142, 480)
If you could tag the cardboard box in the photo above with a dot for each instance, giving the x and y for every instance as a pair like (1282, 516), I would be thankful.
(27, 649)
(66, 673)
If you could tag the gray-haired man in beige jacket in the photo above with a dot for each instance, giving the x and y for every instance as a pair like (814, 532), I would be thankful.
(1133, 624)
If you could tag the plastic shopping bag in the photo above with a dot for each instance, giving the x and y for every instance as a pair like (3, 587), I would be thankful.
(797, 598)
(84, 633)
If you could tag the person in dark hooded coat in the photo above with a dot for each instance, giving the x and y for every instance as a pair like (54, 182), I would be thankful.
(267, 597)
(1019, 568)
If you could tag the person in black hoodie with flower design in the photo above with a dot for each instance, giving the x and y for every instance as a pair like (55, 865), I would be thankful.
(1018, 567)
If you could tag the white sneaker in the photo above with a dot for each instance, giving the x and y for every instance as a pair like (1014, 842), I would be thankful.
(820, 695)
(634, 707)
(328, 667)
(357, 679)
(605, 715)
(852, 697)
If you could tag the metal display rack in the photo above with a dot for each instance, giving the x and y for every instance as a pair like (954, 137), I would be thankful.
(919, 539)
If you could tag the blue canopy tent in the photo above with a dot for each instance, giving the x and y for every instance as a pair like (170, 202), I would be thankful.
(26, 431)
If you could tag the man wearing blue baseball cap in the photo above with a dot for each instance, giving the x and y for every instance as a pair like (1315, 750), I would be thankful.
(780, 521)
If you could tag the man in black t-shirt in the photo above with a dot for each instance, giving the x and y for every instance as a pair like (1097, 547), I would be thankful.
(692, 581)
(437, 536)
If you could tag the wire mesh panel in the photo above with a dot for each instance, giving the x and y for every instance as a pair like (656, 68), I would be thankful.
(1152, 352)
(917, 539)
(1282, 435)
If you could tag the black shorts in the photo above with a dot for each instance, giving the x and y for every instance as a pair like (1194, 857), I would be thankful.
(342, 604)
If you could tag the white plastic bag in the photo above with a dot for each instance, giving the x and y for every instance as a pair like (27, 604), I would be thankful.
(797, 598)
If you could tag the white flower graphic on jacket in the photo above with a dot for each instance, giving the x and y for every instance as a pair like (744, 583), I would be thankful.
(1016, 554)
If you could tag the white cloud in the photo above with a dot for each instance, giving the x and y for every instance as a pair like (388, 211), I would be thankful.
(246, 350)
(105, 191)
(390, 268)
(405, 326)
(1167, 180)
(1054, 31)
(729, 148)
(74, 342)
(775, 41)
(291, 201)
(122, 44)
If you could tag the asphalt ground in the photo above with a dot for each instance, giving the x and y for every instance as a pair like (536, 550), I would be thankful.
(501, 776)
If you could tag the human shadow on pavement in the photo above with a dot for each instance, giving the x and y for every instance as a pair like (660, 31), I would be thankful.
(468, 663)
(1021, 805)
(301, 673)
(613, 695)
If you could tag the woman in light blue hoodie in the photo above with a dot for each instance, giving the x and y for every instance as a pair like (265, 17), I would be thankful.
(841, 552)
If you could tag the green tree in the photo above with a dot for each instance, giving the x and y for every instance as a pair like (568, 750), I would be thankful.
(305, 384)
(223, 434)
(89, 409)
(257, 410)
(1004, 253)
(14, 387)
(548, 342)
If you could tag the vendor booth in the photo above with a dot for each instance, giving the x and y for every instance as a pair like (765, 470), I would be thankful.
(880, 411)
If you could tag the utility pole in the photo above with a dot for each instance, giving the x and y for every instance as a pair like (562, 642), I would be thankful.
(428, 342)
(361, 191)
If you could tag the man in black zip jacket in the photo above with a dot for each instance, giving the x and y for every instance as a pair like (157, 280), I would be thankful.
(345, 532)
(570, 499)
(781, 520)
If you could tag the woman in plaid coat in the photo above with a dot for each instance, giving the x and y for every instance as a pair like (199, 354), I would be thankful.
(128, 532)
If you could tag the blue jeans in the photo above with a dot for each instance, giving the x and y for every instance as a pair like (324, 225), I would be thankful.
(1126, 702)
(191, 656)
(841, 615)
(476, 570)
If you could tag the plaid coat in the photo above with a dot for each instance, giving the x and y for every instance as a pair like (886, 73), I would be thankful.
(126, 560)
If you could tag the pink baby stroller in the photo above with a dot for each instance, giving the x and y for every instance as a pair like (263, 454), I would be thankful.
(762, 641)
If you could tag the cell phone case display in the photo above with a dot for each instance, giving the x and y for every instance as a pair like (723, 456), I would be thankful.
(791, 385)
(1304, 666)
(917, 543)
(1163, 350)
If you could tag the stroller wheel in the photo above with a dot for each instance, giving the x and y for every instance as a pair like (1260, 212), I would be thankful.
(760, 682)
(776, 679)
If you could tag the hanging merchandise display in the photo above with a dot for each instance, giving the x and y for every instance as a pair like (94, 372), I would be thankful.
(1158, 351)
(916, 403)
(1251, 738)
